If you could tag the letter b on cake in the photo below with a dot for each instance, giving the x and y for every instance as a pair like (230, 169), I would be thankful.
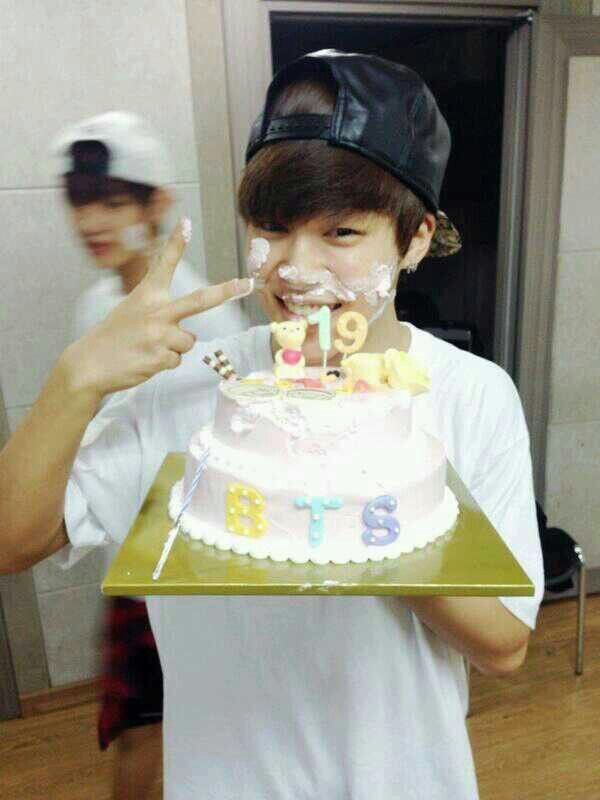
(244, 511)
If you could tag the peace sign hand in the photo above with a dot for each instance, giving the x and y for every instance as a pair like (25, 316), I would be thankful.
(142, 336)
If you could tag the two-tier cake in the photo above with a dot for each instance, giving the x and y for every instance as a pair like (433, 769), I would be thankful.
(311, 471)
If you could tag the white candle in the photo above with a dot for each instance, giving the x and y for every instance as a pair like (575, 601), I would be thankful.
(323, 318)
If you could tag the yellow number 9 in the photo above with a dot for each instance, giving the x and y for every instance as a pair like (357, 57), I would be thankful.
(357, 335)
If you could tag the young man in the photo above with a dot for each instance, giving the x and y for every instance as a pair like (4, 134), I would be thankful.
(310, 697)
(116, 173)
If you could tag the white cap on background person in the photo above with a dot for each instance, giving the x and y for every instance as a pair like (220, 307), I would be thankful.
(134, 152)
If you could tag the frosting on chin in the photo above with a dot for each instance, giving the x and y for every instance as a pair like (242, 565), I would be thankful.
(288, 446)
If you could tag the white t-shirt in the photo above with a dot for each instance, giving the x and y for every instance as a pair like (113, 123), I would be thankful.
(98, 300)
(303, 698)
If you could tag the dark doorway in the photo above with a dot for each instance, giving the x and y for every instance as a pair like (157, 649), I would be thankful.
(463, 62)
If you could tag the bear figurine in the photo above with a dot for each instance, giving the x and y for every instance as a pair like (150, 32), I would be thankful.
(289, 361)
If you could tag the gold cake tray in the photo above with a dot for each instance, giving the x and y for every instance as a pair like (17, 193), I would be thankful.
(472, 560)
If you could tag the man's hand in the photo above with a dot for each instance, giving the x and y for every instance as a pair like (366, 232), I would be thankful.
(142, 335)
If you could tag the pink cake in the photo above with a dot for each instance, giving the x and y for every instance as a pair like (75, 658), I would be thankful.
(320, 475)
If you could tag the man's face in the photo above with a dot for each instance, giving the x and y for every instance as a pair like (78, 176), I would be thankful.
(114, 229)
(325, 262)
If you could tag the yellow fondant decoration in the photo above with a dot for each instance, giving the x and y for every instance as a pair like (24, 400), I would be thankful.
(403, 372)
(244, 502)
(367, 367)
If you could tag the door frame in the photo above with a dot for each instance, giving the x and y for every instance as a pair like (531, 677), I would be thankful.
(556, 39)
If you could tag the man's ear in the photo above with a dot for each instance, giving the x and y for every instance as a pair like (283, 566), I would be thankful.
(419, 246)
(161, 200)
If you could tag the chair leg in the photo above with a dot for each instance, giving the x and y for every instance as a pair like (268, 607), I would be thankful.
(580, 611)
(468, 671)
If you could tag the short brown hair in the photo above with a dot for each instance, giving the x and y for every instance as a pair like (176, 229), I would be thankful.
(292, 181)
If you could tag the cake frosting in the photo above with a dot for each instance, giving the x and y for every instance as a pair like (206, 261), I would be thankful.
(312, 472)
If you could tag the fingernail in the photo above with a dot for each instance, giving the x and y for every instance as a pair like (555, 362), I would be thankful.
(186, 229)
(244, 287)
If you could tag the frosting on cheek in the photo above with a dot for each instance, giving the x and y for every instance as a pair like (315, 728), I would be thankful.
(258, 255)
(375, 286)
(135, 237)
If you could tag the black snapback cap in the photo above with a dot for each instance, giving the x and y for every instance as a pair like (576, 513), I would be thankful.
(384, 111)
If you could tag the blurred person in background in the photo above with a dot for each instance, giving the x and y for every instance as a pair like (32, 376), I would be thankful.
(116, 173)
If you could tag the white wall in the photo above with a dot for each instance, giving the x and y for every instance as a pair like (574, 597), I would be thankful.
(573, 454)
(60, 62)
